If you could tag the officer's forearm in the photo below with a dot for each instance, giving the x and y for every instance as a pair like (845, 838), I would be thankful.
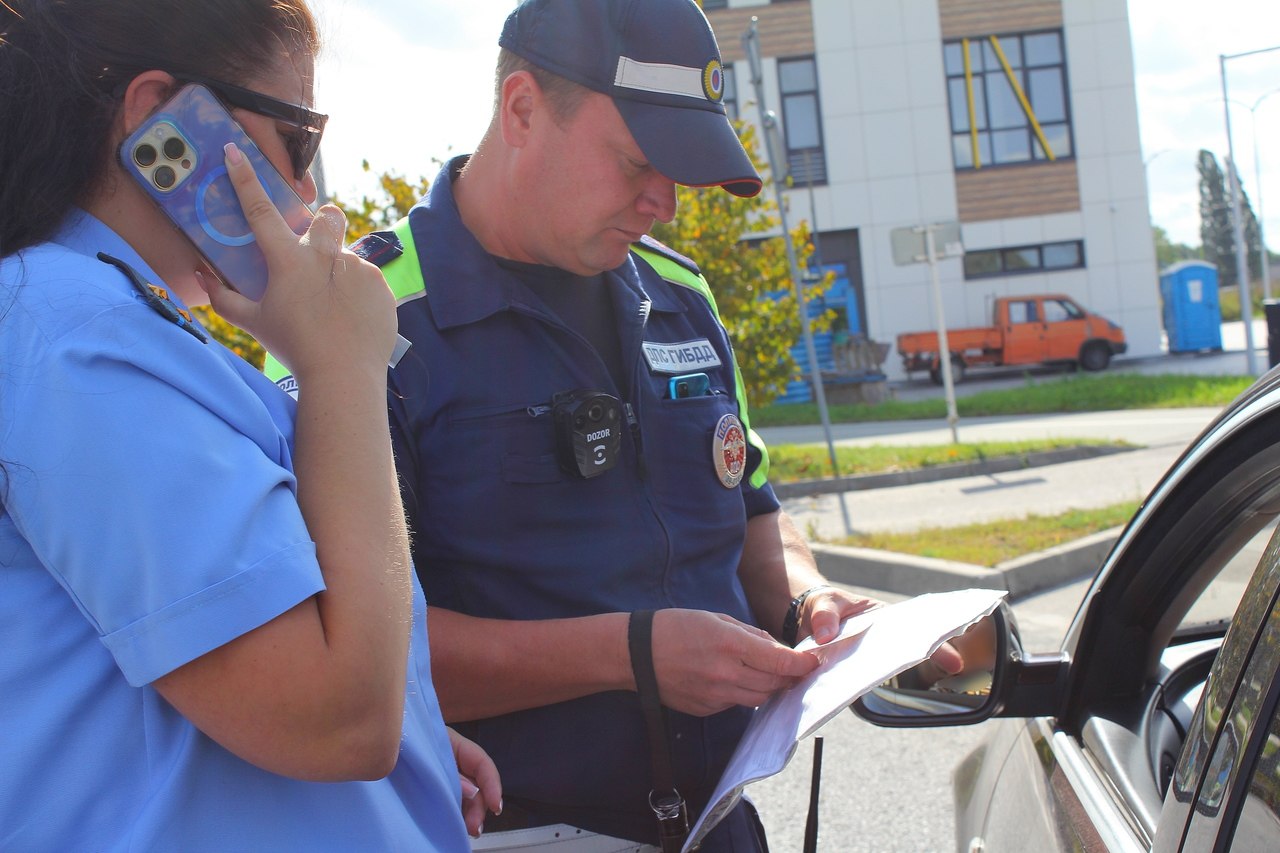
(776, 566)
(486, 667)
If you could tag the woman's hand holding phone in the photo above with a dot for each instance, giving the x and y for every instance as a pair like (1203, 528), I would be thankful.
(324, 307)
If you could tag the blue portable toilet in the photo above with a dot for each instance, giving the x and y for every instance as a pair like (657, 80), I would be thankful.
(1192, 318)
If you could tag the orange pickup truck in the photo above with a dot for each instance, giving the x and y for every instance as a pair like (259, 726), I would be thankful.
(1027, 330)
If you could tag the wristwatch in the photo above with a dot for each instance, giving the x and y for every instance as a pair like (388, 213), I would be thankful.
(791, 623)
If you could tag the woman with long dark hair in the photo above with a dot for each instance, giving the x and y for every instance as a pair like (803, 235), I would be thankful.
(210, 634)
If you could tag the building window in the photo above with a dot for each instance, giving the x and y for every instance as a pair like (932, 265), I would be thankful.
(715, 4)
(730, 96)
(802, 121)
(1008, 97)
(1018, 260)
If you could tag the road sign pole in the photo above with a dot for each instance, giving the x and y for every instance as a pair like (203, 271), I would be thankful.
(944, 347)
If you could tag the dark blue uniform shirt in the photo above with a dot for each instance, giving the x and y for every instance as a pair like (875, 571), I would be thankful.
(501, 531)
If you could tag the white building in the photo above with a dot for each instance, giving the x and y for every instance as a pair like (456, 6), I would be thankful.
(1031, 145)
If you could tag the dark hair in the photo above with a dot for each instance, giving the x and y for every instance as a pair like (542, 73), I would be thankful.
(564, 95)
(64, 65)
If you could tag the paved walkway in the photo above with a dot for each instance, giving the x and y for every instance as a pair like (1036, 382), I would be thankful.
(1046, 490)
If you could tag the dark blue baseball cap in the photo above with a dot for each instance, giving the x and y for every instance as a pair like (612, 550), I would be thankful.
(659, 61)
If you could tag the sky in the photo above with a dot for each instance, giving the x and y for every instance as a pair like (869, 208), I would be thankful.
(409, 82)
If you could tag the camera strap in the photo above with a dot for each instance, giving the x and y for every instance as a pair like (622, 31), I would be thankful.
(667, 804)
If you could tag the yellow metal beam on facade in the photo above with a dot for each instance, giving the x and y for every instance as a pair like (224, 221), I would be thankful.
(1022, 97)
(973, 112)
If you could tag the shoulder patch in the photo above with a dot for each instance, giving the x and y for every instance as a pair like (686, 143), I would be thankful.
(666, 251)
(379, 247)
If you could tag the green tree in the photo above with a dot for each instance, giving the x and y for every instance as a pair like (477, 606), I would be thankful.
(1216, 232)
(1169, 252)
(398, 194)
(1216, 238)
(1252, 233)
(751, 278)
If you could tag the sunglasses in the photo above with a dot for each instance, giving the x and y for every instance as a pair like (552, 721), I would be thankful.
(302, 144)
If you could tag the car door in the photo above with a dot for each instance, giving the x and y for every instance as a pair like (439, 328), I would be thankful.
(1200, 555)
(1023, 331)
(1064, 329)
(1153, 727)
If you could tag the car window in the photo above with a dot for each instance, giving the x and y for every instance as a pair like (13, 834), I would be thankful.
(1058, 312)
(1236, 715)
(1259, 824)
(1244, 752)
(1215, 606)
(1022, 312)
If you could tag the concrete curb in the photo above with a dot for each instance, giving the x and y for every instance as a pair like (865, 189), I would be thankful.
(998, 465)
(905, 574)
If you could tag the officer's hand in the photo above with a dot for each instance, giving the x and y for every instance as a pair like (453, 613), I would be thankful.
(481, 787)
(824, 610)
(324, 306)
(707, 662)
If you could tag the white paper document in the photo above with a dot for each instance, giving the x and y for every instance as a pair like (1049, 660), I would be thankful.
(870, 649)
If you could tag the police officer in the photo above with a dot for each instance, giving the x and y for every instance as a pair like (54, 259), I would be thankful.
(573, 439)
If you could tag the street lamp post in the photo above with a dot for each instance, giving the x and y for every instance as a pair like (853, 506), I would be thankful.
(1242, 261)
(769, 121)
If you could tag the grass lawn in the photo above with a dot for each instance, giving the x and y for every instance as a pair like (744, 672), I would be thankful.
(994, 542)
(1073, 393)
(791, 462)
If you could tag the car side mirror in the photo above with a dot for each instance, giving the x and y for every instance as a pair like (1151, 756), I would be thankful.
(998, 678)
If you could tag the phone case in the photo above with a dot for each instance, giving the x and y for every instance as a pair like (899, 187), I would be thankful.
(177, 157)
(689, 385)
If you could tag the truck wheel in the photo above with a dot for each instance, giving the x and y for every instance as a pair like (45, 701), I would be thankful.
(957, 371)
(1095, 355)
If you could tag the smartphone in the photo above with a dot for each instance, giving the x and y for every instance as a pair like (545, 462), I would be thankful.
(689, 385)
(177, 157)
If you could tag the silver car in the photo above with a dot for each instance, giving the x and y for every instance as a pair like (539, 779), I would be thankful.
(1156, 725)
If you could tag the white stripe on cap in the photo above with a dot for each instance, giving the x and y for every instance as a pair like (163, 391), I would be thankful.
(659, 78)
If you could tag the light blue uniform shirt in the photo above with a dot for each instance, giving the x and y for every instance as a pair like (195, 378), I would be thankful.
(148, 516)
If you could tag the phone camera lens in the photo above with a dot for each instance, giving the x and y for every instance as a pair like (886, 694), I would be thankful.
(164, 177)
(144, 155)
(174, 148)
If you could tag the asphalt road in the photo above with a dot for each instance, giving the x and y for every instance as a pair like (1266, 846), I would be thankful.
(889, 790)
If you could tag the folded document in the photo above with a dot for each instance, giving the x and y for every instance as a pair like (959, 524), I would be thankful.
(870, 649)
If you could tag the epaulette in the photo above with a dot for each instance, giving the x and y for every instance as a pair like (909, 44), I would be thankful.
(157, 298)
(379, 247)
(668, 252)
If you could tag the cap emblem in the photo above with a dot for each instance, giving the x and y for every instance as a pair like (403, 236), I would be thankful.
(713, 80)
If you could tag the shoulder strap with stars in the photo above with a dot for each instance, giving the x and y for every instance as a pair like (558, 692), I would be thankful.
(157, 298)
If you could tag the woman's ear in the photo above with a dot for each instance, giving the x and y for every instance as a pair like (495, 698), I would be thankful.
(143, 96)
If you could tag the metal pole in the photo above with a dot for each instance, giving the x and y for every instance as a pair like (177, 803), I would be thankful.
(1257, 190)
(751, 42)
(1242, 261)
(944, 347)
